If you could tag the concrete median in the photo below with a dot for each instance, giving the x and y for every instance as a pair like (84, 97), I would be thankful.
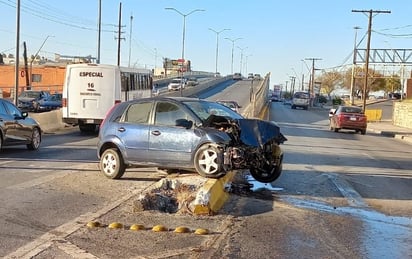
(49, 121)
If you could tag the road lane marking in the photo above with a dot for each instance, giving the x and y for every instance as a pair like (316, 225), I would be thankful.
(345, 188)
(43, 242)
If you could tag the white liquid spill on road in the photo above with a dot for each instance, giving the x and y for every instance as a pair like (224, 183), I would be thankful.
(383, 236)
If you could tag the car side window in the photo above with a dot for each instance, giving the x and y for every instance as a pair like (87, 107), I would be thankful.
(2, 108)
(12, 110)
(168, 113)
(138, 113)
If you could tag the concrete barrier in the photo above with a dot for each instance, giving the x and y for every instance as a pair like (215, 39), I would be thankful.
(50, 121)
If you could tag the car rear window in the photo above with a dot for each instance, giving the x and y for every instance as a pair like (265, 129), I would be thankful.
(301, 95)
(352, 109)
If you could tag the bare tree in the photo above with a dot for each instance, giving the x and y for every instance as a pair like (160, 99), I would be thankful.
(330, 80)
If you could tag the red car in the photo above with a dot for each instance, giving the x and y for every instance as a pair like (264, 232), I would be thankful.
(348, 117)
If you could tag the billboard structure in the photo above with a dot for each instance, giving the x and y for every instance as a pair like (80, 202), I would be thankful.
(175, 66)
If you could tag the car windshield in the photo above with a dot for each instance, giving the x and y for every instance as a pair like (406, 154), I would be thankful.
(29, 94)
(203, 109)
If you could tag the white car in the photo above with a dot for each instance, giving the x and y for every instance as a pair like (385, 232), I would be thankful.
(176, 84)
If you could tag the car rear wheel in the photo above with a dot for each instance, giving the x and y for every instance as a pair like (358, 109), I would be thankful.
(336, 129)
(112, 164)
(208, 161)
(35, 140)
(362, 132)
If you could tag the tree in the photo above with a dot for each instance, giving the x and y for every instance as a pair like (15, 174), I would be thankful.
(392, 84)
(376, 81)
(330, 80)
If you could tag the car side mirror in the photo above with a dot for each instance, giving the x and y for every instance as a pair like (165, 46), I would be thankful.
(187, 124)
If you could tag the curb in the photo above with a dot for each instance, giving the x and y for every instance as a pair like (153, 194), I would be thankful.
(212, 195)
(391, 134)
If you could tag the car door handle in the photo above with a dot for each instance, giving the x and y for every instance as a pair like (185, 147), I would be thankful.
(121, 129)
(156, 133)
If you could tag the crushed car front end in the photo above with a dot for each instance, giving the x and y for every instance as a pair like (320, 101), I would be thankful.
(254, 145)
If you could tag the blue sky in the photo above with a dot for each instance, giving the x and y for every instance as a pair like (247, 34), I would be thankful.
(275, 35)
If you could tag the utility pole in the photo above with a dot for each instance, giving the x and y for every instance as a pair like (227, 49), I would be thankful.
(365, 85)
(312, 78)
(292, 84)
(119, 33)
(99, 33)
(16, 62)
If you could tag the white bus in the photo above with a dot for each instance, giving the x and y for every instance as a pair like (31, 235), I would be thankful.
(90, 90)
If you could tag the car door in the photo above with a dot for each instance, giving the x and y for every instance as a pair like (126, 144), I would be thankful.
(133, 130)
(12, 122)
(169, 143)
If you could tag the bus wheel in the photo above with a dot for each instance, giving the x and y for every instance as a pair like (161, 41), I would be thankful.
(111, 164)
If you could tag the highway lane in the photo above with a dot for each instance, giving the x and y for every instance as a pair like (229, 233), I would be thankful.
(373, 164)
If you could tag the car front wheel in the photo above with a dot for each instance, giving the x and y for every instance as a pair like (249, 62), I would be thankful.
(208, 161)
(35, 140)
(112, 164)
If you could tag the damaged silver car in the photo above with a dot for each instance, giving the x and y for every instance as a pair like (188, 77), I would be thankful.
(188, 134)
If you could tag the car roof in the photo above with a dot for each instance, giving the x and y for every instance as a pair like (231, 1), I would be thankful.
(166, 98)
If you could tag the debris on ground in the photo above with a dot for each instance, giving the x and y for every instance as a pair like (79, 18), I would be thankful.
(171, 196)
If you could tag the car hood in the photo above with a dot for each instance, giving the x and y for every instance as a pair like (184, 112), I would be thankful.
(255, 132)
(252, 132)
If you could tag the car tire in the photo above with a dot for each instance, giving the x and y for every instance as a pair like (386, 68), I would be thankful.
(208, 161)
(336, 129)
(35, 139)
(293, 107)
(263, 176)
(362, 132)
(111, 164)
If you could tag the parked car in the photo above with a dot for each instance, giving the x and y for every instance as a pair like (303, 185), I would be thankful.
(300, 99)
(27, 98)
(348, 117)
(16, 128)
(250, 76)
(231, 104)
(189, 134)
(49, 103)
(176, 84)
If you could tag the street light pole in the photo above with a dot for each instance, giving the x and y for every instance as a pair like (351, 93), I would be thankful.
(35, 55)
(217, 45)
(352, 82)
(241, 58)
(183, 37)
(233, 47)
